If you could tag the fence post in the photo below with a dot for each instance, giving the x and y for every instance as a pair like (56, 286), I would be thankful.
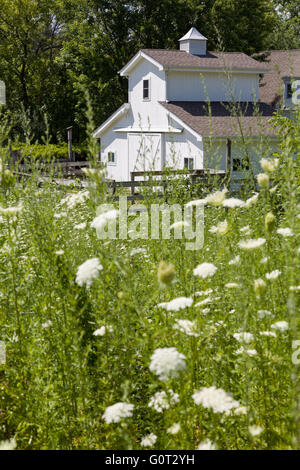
(71, 154)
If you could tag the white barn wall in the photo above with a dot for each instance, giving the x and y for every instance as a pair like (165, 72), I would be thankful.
(180, 146)
(190, 86)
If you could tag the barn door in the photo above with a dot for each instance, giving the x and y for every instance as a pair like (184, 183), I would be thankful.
(144, 152)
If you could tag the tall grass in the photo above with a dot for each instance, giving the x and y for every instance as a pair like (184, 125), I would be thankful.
(74, 349)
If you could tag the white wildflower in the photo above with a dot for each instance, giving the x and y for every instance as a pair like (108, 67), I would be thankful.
(232, 285)
(273, 275)
(59, 252)
(233, 203)
(203, 292)
(285, 232)
(149, 440)
(8, 445)
(71, 200)
(249, 352)
(174, 429)
(176, 304)
(11, 211)
(294, 288)
(255, 430)
(220, 229)
(268, 333)
(263, 180)
(101, 331)
(269, 165)
(205, 270)
(118, 411)
(138, 251)
(162, 401)
(264, 260)
(80, 226)
(47, 324)
(207, 445)
(280, 326)
(101, 220)
(263, 313)
(252, 244)
(167, 363)
(244, 337)
(251, 201)
(216, 198)
(88, 271)
(215, 398)
(235, 260)
(241, 410)
(204, 302)
(186, 326)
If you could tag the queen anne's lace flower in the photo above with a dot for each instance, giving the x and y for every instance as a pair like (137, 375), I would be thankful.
(88, 271)
(285, 232)
(115, 413)
(251, 201)
(273, 275)
(8, 445)
(280, 326)
(101, 331)
(174, 429)
(244, 337)
(162, 401)
(186, 326)
(233, 203)
(205, 270)
(167, 363)
(215, 398)
(149, 440)
(207, 445)
(71, 200)
(252, 244)
(176, 304)
(220, 229)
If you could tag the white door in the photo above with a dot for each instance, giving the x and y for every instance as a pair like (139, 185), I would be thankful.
(144, 152)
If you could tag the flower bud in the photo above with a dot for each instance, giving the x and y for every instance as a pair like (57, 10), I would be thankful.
(165, 272)
(263, 180)
(259, 287)
(270, 222)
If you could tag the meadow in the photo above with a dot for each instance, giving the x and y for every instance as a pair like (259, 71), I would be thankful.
(142, 344)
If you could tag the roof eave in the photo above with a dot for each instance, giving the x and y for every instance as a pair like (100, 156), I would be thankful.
(116, 115)
(124, 72)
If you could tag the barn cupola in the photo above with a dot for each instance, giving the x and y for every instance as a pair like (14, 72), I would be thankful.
(193, 42)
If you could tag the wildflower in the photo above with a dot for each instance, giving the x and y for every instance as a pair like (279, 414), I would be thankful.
(206, 445)
(216, 198)
(249, 352)
(176, 304)
(8, 445)
(235, 260)
(233, 202)
(244, 337)
(101, 331)
(80, 226)
(280, 326)
(47, 324)
(167, 363)
(60, 215)
(215, 398)
(263, 313)
(186, 326)
(270, 222)
(241, 410)
(269, 165)
(166, 272)
(285, 232)
(267, 333)
(205, 270)
(259, 287)
(174, 429)
(264, 260)
(88, 271)
(232, 285)
(203, 292)
(162, 401)
(255, 430)
(294, 288)
(11, 211)
(246, 230)
(203, 302)
(220, 229)
(71, 200)
(263, 180)
(252, 244)
(138, 251)
(273, 274)
(59, 252)
(251, 201)
(101, 220)
(149, 440)
(118, 411)
(197, 202)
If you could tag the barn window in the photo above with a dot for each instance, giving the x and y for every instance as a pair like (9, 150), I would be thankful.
(189, 163)
(289, 90)
(146, 89)
(111, 157)
(240, 164)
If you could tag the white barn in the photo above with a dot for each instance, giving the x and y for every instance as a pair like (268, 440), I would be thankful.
(167, 120)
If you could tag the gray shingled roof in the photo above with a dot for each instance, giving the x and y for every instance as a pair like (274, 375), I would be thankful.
(281, 64)
(213, 60)
(224, 121)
